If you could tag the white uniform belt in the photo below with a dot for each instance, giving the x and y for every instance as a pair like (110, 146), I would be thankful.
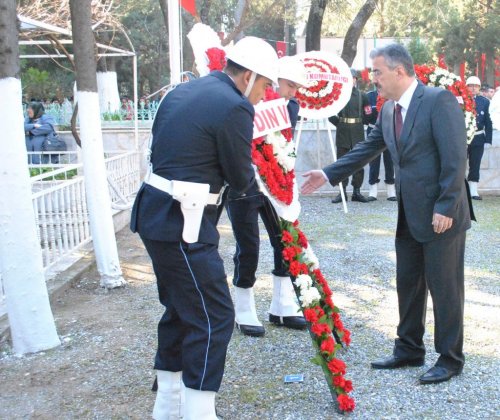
(477, 133)
(371, 125)
(165, 185)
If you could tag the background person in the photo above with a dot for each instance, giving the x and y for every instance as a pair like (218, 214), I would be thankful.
(202, 137)
(374, 170)
(243, 211)
(350, 130)
(484, 134)
(424, 129)
(37, 126)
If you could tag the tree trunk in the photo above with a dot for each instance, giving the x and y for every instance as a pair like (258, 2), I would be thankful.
(314, 23)
(96, 186)
(30, 317)
(350, 47)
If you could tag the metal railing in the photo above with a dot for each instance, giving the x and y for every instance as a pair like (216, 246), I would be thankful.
(60, 202)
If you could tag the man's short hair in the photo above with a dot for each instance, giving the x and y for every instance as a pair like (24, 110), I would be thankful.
(395, 55)
(235, 69)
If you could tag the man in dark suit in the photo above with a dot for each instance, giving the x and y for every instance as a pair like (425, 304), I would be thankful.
(424, 130)
(201, 140)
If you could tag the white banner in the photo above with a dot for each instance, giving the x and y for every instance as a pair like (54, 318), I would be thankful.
(269, 117)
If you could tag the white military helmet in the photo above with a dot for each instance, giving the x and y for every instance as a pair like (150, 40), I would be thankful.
(256, 55)
(291, 68)
(473, 80)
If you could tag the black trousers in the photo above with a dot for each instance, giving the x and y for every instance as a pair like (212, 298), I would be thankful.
(244, 214)
(375, 169)
(357, 177)
(437, 266)
(194, 331)
(475, 150)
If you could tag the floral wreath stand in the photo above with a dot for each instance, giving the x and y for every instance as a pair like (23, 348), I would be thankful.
(273, 155)
(326, 123)
(328, 92)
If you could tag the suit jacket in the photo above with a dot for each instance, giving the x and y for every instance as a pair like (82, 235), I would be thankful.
(429, 161)
(202, 133)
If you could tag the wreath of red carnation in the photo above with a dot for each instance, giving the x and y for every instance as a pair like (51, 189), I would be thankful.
(320, 93)
(322, 314)
(277, 179)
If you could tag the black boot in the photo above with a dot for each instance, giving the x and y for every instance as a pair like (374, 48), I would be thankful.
(338, 198)
(357, 196)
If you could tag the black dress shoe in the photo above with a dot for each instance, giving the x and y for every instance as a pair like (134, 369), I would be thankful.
(293, 322)
(476, 197)
(338, 199)
(438, 374)
(394, 362)
(370, 198)
(392, 199)
(251, 330)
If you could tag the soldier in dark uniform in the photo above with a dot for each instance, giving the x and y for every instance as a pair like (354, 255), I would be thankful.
(201, 140)
(374, 171)
(350, 131)
(483, 135)
(243, 211)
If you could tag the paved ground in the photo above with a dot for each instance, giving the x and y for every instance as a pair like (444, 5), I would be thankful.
(103, 369)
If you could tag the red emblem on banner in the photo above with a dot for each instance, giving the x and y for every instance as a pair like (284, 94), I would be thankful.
(281, 48)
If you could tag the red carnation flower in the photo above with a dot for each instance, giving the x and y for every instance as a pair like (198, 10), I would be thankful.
(328, 345)
(346, 403)
(336, 366)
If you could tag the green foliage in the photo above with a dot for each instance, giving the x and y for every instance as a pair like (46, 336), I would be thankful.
(419, 51)
(112, 116)
(45, 169)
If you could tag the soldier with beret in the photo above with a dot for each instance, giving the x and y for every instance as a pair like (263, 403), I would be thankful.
(350, 131)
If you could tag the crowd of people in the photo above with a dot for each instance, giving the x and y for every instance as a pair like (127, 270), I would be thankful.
(201, 141)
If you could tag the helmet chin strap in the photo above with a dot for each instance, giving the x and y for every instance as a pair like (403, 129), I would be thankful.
(250, 84)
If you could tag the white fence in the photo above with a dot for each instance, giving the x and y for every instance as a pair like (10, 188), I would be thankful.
(60, 203)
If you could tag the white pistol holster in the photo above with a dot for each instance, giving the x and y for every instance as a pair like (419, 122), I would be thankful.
(193, 198)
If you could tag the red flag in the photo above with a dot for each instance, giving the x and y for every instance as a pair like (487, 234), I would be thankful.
(189, 6)
(441, 62)
(281, 48)
(462, 71)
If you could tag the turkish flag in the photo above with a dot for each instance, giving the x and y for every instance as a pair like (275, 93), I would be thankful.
(189, 6)
(281, 48)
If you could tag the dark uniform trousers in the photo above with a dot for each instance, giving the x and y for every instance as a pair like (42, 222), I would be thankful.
(373, 177)
(421, 267)
(475, 149)
(475, 152)
(243, 212)
(192, 286)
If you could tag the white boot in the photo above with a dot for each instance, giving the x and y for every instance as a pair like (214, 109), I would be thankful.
(170, 396)
(391, 192)
(473, 190)
(246, 315)
(200, 405)
(284, 308)
(373, 191)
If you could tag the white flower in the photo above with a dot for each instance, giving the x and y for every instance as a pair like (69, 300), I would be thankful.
(308, 296)
(303, 281)
(432, 77)
(311, 257)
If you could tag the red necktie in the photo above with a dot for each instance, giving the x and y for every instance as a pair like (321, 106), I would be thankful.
(398, 122)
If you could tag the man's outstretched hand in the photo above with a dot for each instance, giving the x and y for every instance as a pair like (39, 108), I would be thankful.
(315, 179)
